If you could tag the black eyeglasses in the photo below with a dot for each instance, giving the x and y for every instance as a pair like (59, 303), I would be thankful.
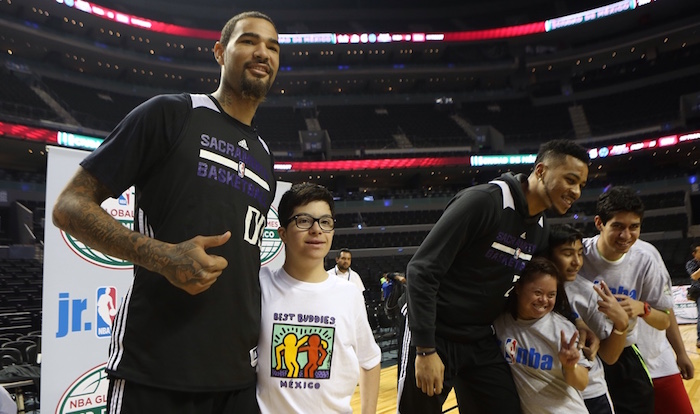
(305, 222)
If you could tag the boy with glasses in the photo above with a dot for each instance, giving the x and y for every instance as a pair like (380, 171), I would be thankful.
(315, 341)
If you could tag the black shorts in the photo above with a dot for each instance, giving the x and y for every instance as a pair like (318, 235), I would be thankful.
(125, 397)
(630, 386)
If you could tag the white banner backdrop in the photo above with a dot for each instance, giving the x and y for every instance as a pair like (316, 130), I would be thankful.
(82, 290)
(686, 311)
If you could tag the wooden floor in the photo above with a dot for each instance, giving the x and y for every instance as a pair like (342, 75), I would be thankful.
(387, 386)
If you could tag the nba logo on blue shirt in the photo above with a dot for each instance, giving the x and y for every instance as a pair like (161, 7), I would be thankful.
(106, 310)
(241, 169)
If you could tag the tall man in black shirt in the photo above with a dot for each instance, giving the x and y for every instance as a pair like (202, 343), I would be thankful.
(204, 180)
(459, 279)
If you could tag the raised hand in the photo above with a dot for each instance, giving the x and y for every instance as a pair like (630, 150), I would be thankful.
(568, 351)
(630, 306)
(609, 305)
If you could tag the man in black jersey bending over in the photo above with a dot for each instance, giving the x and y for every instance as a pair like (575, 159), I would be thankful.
(459, 279)
(182, 343)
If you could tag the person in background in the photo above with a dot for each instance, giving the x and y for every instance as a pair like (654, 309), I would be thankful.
(594, 306)
(386, 284)
(693, 269)
(342, 269)
(390, 281)
(540, 343)
(184, 338)
(315, 341)
(460, 277)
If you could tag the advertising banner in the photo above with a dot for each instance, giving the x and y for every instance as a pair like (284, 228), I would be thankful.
(686, 311)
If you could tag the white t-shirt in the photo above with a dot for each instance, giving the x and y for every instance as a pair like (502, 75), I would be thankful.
(636, 274)
(656, 351)
(350, 276)
(532, 349)
(584, 302)
(302, 322)
(653, 343)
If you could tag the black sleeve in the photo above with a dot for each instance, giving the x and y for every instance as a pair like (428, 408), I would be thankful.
(140, 141)
(468, 215)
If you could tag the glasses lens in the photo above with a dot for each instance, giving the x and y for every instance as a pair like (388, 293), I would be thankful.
(304, 222)
(326, 223)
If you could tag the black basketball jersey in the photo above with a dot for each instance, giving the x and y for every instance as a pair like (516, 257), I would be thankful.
(197, 171)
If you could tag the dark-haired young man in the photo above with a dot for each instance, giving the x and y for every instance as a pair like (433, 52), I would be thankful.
(594, 306)
(459, 279)
(636, 274)
(204, 182)
(316, 342)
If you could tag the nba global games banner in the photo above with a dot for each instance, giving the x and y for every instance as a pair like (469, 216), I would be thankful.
(83, 289)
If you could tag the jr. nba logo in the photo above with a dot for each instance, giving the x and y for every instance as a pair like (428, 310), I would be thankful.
(123, 199)
(106, 310)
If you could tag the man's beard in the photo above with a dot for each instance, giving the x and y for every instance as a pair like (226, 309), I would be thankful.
(254, 89)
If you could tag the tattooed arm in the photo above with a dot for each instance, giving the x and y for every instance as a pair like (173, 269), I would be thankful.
(186, 265)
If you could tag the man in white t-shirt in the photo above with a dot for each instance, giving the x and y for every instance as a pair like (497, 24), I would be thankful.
(635, 273)
(343, 260)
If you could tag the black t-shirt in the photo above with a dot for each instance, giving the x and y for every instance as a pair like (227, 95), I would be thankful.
(197, 171)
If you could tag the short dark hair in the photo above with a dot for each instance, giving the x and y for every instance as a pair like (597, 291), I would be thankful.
(301, 195)
(558, 149)
(617, 200)
(693, 247)
(343, 250)
(561, 234)
(533, 269)
(231, 24)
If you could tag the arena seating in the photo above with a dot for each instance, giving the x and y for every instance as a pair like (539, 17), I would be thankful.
(19, 100)
(280, 127)
(521, 123)
(94, 108)
(355, 127)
